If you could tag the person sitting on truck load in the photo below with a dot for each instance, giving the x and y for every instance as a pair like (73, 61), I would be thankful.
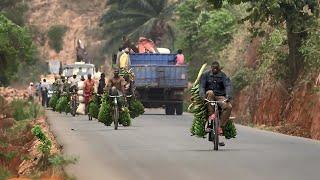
(116, 84)
(180, 58)
(119, 54)
(124, 62)
(88, 90)
(215, 85)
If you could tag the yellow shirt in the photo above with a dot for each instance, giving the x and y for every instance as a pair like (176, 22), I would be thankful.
(124, 61)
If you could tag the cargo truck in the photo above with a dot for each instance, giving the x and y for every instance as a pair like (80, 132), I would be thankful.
(159, 82)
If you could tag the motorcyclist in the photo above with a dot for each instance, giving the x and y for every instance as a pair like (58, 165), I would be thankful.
(215, 85)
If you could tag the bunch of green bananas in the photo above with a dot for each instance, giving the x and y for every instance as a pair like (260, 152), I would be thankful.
(104, 115)
(136, 108)
(94, 108)
(53, 101)
(124, 117)
(62, 104)
(198, 107)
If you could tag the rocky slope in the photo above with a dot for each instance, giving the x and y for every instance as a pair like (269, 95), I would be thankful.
(80, 16)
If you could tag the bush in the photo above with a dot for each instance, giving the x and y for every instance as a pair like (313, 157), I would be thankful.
(4, 173)
(46, 144)
(19, 109)
(6, 109)
(56, 34)
(311, 51)
(23, 109)
(60, 160)
(241, 79)
(16, 13)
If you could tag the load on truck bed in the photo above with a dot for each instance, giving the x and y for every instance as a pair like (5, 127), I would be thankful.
(159, 82)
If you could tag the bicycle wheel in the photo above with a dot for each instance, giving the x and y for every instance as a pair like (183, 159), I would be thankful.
(216, 135)
(116, 117)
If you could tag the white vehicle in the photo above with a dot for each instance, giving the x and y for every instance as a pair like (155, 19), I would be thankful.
(78, 68)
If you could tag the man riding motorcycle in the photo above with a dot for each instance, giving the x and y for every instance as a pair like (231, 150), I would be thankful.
(215, 85)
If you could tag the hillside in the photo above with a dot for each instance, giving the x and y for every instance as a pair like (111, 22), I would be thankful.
(80, 16)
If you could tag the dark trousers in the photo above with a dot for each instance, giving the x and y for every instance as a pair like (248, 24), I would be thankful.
(44, 98)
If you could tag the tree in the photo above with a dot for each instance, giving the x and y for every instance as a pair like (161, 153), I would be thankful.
(56, 34)
(203, 33)
(16, 48)
(134, 18)
(297, 15)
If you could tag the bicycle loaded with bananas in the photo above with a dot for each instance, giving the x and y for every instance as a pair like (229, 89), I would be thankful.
(119, 104)
(211, 96)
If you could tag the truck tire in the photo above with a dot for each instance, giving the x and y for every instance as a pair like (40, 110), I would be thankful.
(170, 109)
(179, 108)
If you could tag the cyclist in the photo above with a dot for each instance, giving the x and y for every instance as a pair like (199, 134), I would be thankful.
(215, 85)
(116, 84)
(73, 82)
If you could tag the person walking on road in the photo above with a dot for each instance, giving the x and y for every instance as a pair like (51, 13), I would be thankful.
(44, 93)
(88, 90)
(31, 91)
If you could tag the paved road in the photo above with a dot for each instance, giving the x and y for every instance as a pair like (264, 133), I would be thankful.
(160, 147)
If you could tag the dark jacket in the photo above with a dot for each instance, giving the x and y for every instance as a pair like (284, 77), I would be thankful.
(219, 83)
(102, 85)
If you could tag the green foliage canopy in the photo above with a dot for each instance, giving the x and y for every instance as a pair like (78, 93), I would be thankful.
(56, 34)
(16, 48)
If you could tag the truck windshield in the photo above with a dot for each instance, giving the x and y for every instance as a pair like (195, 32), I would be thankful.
(69, 71)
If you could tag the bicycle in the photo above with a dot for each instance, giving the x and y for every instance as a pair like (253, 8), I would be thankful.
(115, 114)
(214, 124)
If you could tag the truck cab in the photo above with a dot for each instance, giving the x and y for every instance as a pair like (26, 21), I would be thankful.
(78, 68)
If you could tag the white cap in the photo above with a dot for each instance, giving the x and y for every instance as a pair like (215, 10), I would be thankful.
(31, 84)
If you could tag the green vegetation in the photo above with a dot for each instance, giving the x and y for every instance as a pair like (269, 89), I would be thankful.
(124, 117)
(59, 160)
(16, 50)
(134, 18)
(22, 109)
(203, 33)
(46, 144)
(136, 108)
(53, 101)
(94, 107)
(104, 115)
(299, 16)
(63, 105)
(311, 49)
(55, 35)
(4, 173)
(14, 10)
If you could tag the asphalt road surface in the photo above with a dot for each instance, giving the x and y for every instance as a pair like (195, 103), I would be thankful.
(159, 147)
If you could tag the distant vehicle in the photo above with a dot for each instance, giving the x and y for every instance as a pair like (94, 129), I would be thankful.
(78, 68)
(159, 82)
